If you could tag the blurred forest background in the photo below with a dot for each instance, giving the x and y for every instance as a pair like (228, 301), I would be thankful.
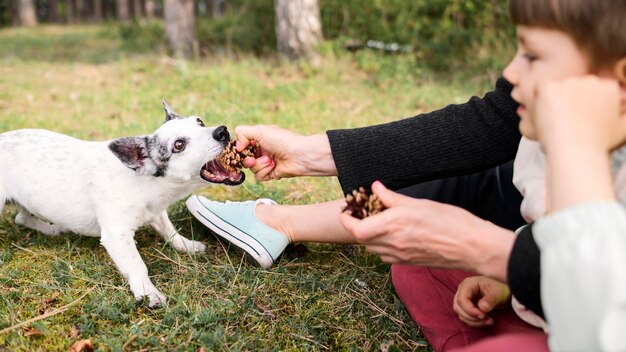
(431, 34)
(98, 69)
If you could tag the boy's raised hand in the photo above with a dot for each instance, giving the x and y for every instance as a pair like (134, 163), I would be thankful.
(579, 121)
(584, 112)
(476, 296)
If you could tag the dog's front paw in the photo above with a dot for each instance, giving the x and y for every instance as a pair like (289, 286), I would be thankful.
(189, 246)
(196, 247)
(155, 297)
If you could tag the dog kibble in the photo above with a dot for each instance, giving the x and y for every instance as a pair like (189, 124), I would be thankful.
(361, 205)
(232, 159)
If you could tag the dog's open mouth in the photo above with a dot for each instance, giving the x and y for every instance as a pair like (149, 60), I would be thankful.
(215, 172)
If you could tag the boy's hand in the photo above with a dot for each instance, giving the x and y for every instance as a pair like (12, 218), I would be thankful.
(580, 112)
(578, 122)
(478, 295)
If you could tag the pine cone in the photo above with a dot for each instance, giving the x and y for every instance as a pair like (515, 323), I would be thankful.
(231, 159)
(361, 205)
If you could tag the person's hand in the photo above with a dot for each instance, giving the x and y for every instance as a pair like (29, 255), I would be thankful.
(578, 121)
(476, 297)
(579, 112)
(424, 232)
(285, 153)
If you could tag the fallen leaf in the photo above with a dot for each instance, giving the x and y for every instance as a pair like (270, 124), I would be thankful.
(82, 346)
(31, 331)
(46, 303)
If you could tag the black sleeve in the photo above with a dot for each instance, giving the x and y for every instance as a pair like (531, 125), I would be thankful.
(452, 141)
(524, 271)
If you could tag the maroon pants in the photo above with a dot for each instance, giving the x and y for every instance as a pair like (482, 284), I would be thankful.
(428, 295)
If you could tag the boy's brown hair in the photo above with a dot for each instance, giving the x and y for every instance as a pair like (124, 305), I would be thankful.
(598, 27)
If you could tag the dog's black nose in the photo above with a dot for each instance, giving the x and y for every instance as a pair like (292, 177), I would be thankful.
(221, 134)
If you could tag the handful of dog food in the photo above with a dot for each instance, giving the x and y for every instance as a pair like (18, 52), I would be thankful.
(232, 159)
(361, 205)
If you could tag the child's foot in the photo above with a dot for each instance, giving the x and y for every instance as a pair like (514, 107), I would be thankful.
(237, 223)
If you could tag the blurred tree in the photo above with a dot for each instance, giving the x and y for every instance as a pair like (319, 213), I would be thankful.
(97, 10)
(298, 29)
(150, 8)
(216, 8)
(79, 7)
(26, 12)
(69, 11)
(53, 11)
(123, 13)
(180, 29)
(137, 9)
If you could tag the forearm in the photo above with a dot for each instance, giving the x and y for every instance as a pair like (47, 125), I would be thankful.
(573, 181)
(491, 252)
(315, 158)
(454, 140)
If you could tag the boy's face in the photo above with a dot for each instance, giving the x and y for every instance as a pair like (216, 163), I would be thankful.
(542, 55)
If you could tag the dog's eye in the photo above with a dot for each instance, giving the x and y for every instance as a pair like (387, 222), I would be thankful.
(200, 123)
(179, 146)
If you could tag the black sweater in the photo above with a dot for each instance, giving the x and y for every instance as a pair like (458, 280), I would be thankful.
(455, 140)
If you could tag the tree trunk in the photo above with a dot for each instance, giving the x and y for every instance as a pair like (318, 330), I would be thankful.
(150, 8)
(97, 11)
(108, 10)
(26, 13)
(79, 10)
(122, 10)
(216, 8)
(180, 27)
(69, 11)
(298, 29)
(137, 9)
(53, 11)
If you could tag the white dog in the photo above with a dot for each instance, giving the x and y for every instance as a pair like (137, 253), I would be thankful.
(110, 189)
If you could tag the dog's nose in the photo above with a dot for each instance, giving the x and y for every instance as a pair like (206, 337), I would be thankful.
(221, 134)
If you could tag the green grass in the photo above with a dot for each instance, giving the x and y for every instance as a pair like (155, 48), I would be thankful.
(84, 82)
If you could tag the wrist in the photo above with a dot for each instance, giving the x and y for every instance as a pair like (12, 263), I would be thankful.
(491, 252)
(316, 158)
(591, 168)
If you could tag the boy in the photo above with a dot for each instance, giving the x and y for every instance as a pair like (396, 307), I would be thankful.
(558, 49)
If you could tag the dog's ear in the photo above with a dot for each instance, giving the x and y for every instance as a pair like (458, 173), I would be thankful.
(134, 153)
(169, 112)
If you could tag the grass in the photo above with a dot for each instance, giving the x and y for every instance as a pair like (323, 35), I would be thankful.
(84, 82)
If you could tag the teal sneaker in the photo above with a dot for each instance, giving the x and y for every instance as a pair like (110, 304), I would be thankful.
(237, 223)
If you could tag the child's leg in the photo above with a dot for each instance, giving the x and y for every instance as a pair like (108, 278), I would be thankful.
(428, 296)
(516, 342)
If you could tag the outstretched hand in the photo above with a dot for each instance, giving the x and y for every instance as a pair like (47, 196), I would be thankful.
(285, 153)
(424, 232)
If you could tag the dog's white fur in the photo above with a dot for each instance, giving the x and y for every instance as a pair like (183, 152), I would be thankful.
(108, 189)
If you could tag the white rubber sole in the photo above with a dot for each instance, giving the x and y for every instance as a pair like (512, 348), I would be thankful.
(224, 229)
